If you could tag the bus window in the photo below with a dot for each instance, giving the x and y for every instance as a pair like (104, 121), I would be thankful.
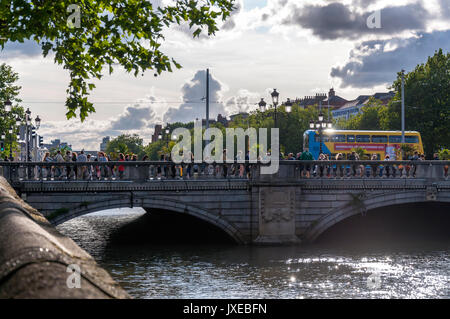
(338, 138)
(325, 138)
(379, 139)
(363, 138)
(411, 139)
(395, 139)
(350, 138)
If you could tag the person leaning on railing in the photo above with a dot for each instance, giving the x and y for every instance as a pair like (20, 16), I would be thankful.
(374, 166)
(121, 168)
(352, 157)
(47, 171)
(306, 156)
(82, 170)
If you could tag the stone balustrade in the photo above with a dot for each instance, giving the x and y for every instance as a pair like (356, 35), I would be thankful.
(157, 171)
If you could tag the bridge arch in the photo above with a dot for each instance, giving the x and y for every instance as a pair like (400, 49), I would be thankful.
(371, 202)
(152, 202)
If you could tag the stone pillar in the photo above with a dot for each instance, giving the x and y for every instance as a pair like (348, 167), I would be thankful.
(276, 216)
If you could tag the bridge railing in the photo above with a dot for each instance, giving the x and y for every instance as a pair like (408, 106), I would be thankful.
(157, 170)
(345, 169)
(122, 171)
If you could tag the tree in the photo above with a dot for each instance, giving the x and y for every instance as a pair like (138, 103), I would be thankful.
(92, 35)
(125, 144)
(9, 91)
(153, 150)
(373, 116)
(427, 100)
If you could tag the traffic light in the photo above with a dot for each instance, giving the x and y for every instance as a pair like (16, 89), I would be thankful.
(2, 146)
(41, 141)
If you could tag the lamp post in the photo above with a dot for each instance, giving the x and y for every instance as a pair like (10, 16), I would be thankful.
(10, 131)
(29, 130)
(262, 105)
(403, 106)
(8, 108)
(275, 96)
(288, 106)
(320, 125)
(167, 135)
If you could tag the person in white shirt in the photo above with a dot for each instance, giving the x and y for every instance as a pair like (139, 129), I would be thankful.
(82, 169)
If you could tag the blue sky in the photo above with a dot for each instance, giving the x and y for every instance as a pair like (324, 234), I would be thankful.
(299, 47)
(251, 4)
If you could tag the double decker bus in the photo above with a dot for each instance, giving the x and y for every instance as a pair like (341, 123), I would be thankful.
(373, 142)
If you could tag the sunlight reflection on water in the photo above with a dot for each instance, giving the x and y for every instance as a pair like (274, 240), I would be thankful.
(185, 271)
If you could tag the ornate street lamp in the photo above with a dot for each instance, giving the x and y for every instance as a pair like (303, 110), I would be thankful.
(262, 105)
(37, 120)
(275, 96)
(10, 131)
(167, 135)
(320, 126)
(288, 106)
(28, 116)
(29, 130)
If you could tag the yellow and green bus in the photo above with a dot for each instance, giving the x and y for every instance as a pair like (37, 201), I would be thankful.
(373, 142)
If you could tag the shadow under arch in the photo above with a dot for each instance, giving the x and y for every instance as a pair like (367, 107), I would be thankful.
(152, 202)
(368, 204)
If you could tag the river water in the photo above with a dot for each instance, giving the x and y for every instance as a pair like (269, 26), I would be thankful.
(149, 270)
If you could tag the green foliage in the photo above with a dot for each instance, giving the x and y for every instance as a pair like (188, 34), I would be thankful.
(360, 151)
(53, 151)
(407, 150)
(126, 33)
(444, 154)
(373, 117)
(153, 150)
(9, 91)
(292, 126)
(427, 100)
(125, 144)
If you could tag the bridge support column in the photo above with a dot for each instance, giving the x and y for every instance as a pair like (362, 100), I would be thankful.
(276, 216)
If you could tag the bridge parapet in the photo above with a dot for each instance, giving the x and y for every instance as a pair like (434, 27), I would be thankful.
(301, 200)
(301, 170)
(288, 170)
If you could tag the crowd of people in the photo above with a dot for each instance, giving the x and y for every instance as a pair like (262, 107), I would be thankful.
(98, 172)
(90, 172)
(352, 169)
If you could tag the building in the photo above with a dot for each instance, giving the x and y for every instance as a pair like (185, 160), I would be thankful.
(104, 143)
(56, 143)
(158, 131)
(333, 101)
(352, 108)
(244, 115)
(323, 100)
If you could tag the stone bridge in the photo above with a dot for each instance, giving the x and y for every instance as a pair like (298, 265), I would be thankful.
(297, 204)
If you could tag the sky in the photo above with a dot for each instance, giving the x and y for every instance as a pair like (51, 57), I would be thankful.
(299, 47)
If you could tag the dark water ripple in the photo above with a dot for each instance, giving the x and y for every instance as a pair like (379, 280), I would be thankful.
(221, 271)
